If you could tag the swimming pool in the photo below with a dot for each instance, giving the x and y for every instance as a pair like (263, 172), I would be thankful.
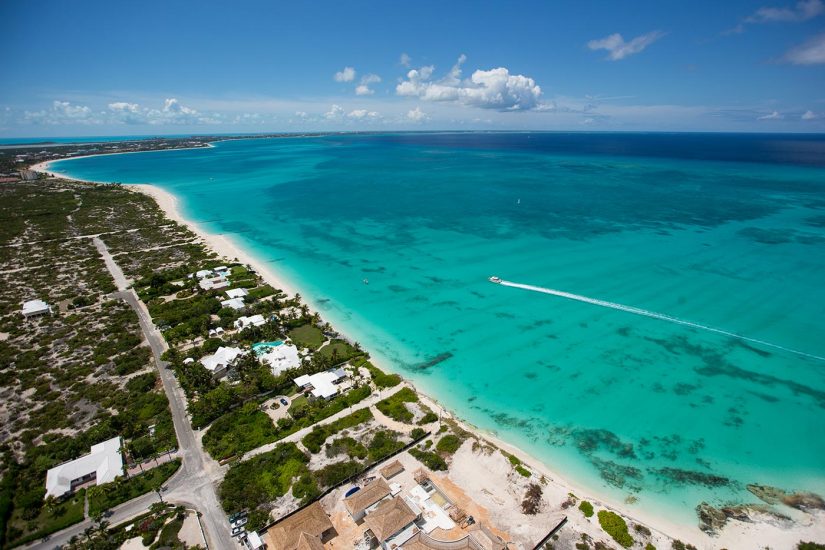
(261, 347)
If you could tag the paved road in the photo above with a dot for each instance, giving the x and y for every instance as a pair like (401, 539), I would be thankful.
(193, 485)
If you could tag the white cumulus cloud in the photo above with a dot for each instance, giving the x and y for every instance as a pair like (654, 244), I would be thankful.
(345, 75)
(491, 89)
(809, 115)
(802, 11)
(417, 115)
(364, 87)
(361, 114)
(335, 112)
(619, 49)
(775, 115)
(124, 107)
(811, 52)
(405, 60)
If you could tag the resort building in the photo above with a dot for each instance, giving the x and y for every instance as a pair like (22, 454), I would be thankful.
(253, 321)
(322, 385)
(220, 361)
(392, 523)
(367, 499)
(236, 293)
(203, 274)
(307, 529)
(102, 465)
(282, 358)
(33, 308)
(233, 303)
(221, 270)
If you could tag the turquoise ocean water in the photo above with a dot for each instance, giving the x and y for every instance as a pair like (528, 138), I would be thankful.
(727, 231)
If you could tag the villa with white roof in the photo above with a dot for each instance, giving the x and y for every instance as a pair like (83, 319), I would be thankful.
(219, 362)
(252, 321)
(282, 358)
(236, 293)
(234, 303)
(322, 385)
(103, 464)
(33, 308)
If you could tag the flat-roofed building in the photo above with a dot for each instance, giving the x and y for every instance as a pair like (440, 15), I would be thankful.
(102, 465)
(33, 308)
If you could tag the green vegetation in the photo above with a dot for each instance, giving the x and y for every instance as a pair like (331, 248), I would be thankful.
(522, 471)
(679, 545)
(394, 405)
(649, 546)
(109, 495)
(429, 459)
(615, 526)
(315, 439)
(338, 351)
(168, 537)
(239, 431)
(379, 377)
(49, 519)
(531, 505)
(352, 448)
(334, 474)
(448, 444)
(306, 413)
(417, 433)
(383, 444)
(262, 478)
(586, 508)
(307, 336)
(810, 546)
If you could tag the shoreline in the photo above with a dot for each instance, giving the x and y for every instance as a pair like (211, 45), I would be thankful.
(732, 536)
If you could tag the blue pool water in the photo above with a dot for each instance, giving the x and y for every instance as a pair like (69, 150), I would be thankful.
(726, 231)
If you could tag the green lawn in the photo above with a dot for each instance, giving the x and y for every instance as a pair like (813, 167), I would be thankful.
(338, 349)
(307, 336)
(49, 521)
(109, 495)
(239, 431)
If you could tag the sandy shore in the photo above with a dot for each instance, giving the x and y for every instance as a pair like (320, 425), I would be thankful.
(735, 535)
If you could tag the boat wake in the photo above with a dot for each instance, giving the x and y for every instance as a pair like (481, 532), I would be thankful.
(651, 314)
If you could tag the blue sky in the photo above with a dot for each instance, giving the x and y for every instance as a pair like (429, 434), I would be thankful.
(104, 68)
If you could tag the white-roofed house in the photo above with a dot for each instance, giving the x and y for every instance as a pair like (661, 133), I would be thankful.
(213, 284)
(253, 321)
(237, 293)
(322, 385)
(203, 273)
(33, 308)
(233, 303)
(281, 358)
(220, 361)
(103, 464)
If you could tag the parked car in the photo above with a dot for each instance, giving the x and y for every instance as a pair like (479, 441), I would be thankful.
(284, 402)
